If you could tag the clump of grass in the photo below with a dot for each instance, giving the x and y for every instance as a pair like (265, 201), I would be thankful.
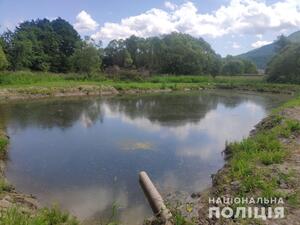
(4, 186)
(114, 215)
(179, 219)
(290, 126)
(271, 158)
(294, 199)
(46, 216)
(3, 145)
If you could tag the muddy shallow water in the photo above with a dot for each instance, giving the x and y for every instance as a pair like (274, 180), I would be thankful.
(85, 153)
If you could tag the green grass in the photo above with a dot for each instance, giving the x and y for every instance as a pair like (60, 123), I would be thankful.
(46, 216)
(294, 199)
(3, 144)
(178, 219)
(26, 79)
(250, 157)
(295, 102)
(4, 186)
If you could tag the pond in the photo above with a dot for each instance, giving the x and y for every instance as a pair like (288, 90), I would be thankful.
(85, 153)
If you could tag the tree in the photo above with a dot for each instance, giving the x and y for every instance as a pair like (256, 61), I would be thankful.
(237, 66)
(127, 59)
(233, 67)
(282, 42)
(215, 66)
(114, 53)
(174, 53)
(249, 67)
(21, 54)
(3, 60)
(86, 59)
(41, 45)
(132, 46)
(68, 40)
(285, 66)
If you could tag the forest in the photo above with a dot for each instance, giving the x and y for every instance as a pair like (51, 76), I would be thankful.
(55, 46)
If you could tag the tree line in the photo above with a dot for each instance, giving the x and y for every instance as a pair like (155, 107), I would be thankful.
(285, 65)
(55, 46)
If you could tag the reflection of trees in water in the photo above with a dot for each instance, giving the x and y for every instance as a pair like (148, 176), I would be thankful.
(166, 109)
(51, 113)
(177, 109)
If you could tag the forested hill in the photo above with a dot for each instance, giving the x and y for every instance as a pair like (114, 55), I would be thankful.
(295, 37)
(261, 56)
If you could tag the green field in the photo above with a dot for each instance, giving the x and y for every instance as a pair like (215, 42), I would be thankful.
(24, 80)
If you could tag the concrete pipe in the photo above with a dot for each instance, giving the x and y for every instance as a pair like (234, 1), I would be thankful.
(154, 198)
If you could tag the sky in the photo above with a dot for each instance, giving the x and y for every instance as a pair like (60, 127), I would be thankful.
(229, 26)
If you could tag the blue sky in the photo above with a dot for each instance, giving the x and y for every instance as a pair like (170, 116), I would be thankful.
(230, 26)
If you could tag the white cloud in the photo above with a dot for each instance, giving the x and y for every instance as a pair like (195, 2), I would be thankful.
(85, 23)
(150, 23)
(238, 17)
(259, 44)
(259, 36)
(170, 5)
(235, 45)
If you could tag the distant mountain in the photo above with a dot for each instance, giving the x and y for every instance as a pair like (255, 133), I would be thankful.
(261, 56)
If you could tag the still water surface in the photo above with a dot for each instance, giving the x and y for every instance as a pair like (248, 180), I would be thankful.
(85, 153)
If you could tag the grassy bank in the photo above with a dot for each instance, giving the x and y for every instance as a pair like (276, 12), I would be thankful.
(264, 165)
(45, 216)
(251, 158)
(47, 84)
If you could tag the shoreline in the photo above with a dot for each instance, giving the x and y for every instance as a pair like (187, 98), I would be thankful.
(9, 197)
(195, 207)
(29, 204)
(41, 92)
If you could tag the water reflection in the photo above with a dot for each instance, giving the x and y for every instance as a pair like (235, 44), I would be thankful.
(85, 153)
